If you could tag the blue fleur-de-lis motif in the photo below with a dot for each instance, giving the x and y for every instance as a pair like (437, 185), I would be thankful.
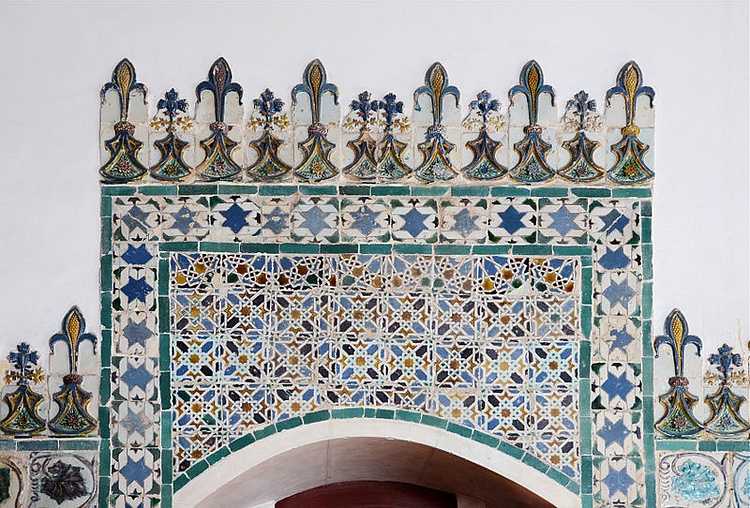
(390, 108)
(485, 105)
(436, 165)
(24, 360)
(269, 107)
(72, 400)
(123, 164)
(123, 82)
(531, 85)
(316, 165)
(677, 338)
(219, 164)
(532, 166)
(364, 107)
(72, 335)
(436, 88)
(678, 419)
(220, 84)
(630, 167)
(171, 104)
(315, 84)
(724, 361)
(630, 86)
(581, 104)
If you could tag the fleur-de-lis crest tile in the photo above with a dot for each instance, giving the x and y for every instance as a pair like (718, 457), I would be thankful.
(725, 405)
(268, 114)
(73, 417)
(484, 165)
(123, 164)
(532, 166)
(630, 167)
(581, 166)
(219, 147)
(172, 113)
(23, 404)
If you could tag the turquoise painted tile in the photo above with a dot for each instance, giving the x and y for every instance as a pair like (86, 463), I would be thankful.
(165, 386)
(289, 423)
(571, 250)
(277, 190)
(407, 248)
(317, 416)
(733, 446)
(355, 190)
(166, 467)
(242, 442)
(318, 190)
(387, 190)
(219, 247)
(648, 253)
(707, 446)
(218, 455)
(79, 444)
(158, 190)
(430, 191)
(676, 445)
(118, 190)
(104, 386)
(502, 192)
(299, 248)
(260, 248)
(163, 314)
(375, 248)
(166, 427)
(550, 192)
(197, 189)
(646, 230)
(646, 208)
(452, 250)
(532, 250)
(630, 192)
(103, 490)
(37, 445)
(197, 468)
(592, 192)
(339, 248)
(560, 477)
(105, 458)
(244, 190)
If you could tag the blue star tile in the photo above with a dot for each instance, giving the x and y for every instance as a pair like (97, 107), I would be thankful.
(137, 377)
(235, 218)
(618, 481)
(137, 255)
(614, 221)
(613, 432)
(617, 386)
(135, 423)
(511, 219)
(619, 292)
(621, 339)
(183, 220)
(364, 220)
(563, 221)
(135, 471)
(137, 289)
(414, 222)
(137, 333)
(614, 259)
(314, 220)
(277, 221)
(136, 218)
(465, 224)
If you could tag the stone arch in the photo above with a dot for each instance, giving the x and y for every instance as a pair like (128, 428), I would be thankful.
(337, 450)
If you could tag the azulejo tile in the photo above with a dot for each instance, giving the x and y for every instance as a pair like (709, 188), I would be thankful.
(464, 220)
(195, 271)
(235, 219)
(136, 333)
(513, 220)
(552, 364)
(414, 220)
(248, 407)
(453, 274)
(408, 361)
(134, 288)
(135, 253)
(618, 257)
(196, 358)
(194, 311)
(134, 378)
(617, 293)
(617, 433)
(554, 275)
(135, 423)
(696, 479)
(559, 449)
(507, 411)
(457, 364)
(503, 364)
(316, 220)
(504, 276)
(65, 479)
(617, 338)
(276, 218)
(460, 405)
(618, 480)
(12, 476)
(614, 222)
(362, 272)
(456, 317)
(185, 218)
(505, 320)
(616, 386)
(563, 221)
(364, 219)
(409, 273)
(555, 317)
(553, 411)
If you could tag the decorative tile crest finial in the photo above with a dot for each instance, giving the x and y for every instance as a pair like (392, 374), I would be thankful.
(316, 166)
(391, 165)
(268, 114)
(435, 149)
(484, 166)
(73, 417)
(172, 113)
(581, 167)
(678, 420)
(725, 418)
(219, 164)
(364, 165)
(630, 167)
(123, 164)
(532, 149)
(23, 404)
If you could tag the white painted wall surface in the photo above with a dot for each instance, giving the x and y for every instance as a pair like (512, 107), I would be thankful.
(55, 57)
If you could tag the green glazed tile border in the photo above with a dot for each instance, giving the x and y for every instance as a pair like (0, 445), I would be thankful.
(550, 192)
(631, 192)
(105, 206)
(592, 192)
(118, 190)
(430, 191)
(488, 250)
(507, 192)
(219, 247)
(264, 248)
(472, 191)
(375, 248)
(104, 490)
(277, 190)
(318, 190)
(355, 190)
(386, 190)
(532, 250)
(238, 189)
(197, 189)
(157, 190)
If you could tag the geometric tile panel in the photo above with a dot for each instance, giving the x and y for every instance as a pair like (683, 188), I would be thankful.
(377, 332)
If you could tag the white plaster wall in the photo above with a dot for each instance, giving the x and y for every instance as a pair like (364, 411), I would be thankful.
(55, 57)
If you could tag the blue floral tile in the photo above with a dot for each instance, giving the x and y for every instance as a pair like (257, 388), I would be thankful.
(316, 220)
(134, 288)
(66, 480)
(414, 220)
(618, 257)
(136, 472)
(364, 219)
(463, 220)
(513, 221)
(134, 253)
(616, 338)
